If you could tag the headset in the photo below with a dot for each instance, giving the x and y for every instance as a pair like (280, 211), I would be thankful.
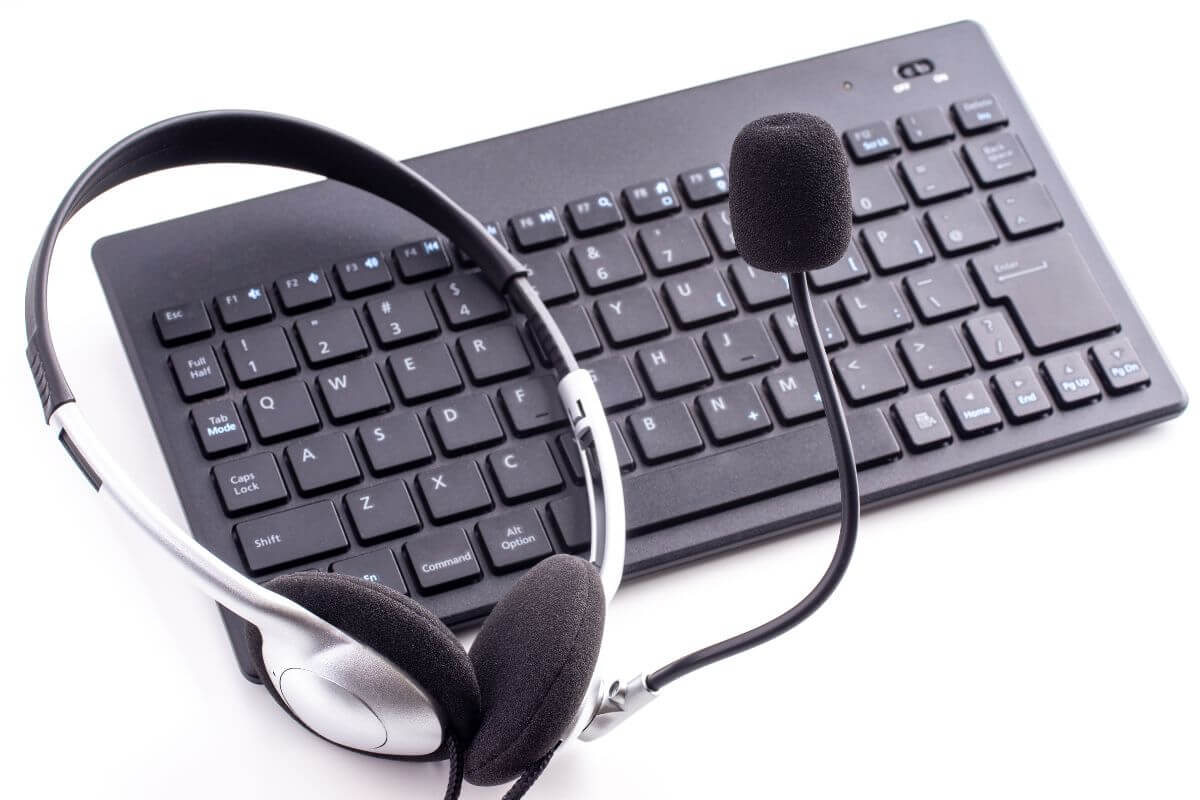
(360, 664)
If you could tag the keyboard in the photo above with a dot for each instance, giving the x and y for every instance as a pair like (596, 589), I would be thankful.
(335, 387)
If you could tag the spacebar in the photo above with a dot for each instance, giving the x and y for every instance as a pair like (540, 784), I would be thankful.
(768, 467)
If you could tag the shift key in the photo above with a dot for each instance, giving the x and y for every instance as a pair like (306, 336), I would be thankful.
(297, 534)
(1049, 290)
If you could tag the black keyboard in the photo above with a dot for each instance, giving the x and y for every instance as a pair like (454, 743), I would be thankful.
(336, 388)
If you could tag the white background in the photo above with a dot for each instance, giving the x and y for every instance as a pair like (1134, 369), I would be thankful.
(1033, 634)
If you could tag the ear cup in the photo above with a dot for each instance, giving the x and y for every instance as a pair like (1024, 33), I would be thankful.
(534, 658)
(399, 629)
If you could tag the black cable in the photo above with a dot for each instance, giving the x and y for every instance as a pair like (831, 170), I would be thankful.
(529, 777)
(454, 780)
(848, 478)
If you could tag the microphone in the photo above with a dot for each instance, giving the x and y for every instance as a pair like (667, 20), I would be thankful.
(789, 194)
(790, 208)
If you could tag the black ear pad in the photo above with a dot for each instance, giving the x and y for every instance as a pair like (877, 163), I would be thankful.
(534, 658)
(399, 629)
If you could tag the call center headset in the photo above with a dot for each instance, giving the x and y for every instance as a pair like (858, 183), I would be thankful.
(367, 667)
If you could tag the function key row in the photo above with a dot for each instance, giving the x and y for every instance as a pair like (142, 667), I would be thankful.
(924, 128)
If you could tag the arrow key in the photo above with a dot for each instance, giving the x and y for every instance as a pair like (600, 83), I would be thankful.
(1071, 382)
(1021, 394)
(1119, 365)
(971, 408)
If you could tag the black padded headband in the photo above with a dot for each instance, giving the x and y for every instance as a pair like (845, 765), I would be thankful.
(250, 137)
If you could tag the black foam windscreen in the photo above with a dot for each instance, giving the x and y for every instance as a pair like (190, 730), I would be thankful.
(789, 193)
(534, 658)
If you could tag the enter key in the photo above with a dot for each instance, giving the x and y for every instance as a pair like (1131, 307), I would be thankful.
(1049, 290)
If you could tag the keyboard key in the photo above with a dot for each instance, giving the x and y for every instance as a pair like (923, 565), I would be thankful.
(218, 428)
(468, 300)
(594, 214)
(576, 327)
(997, 158)
(493, 230)
(244, 307)
(759, 288)
(971, 408)
(673, 366)
(934, 176)
(282, 410)
(378, 566)
(606, 262)
(402, 317)
(249, 483)
(524, 472)
(874, 309)
(382, 511)
(514, 539)
(673, 245)
(869, 374)
(303, 290)
(665, 432)
(353, 391)
(733, 412)
(539, 227)
(1071, 382)
(940, 292)
(698, 298)
(197, 372)
(322, 463)
(651, 199)
(394, 443)
(260, 355)
(961, 226)
(494, 353)
(874, 193)
(370, 273)
(532, 405)
(465, 424)
(934, 355)
(993, 339)
(631, 316)
(424, 372)
(704, 184)
(871, 141)
(921, 422)
(1025, 209)
(421, 259)
(741, 347)
(442, 559)
(1119, 365)
(549, 277)
(455, 490)
(182, 323)
(787, 329)
(1049, 290)
(753, 471)
(566, 444)
(924, 128)
(721, 231)
(850, 269)
(297, 534)
(1021, 394)
(896, 244)
(331, 336)
(977, 114)
(615, 384)
(794, 395)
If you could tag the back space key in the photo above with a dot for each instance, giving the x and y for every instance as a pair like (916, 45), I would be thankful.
(755, 471)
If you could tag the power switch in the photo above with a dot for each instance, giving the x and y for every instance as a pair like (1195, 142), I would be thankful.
(915, 69)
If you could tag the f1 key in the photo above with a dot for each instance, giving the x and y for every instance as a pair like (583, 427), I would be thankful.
(1049, 290)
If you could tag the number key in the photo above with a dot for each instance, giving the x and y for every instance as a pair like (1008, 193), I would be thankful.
(673, 245)
(331, 336)
(260, 355)
(606, 262)
(875, 192)
(402, 317)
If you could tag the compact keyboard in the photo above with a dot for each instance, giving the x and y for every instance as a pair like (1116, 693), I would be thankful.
(336, 388)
